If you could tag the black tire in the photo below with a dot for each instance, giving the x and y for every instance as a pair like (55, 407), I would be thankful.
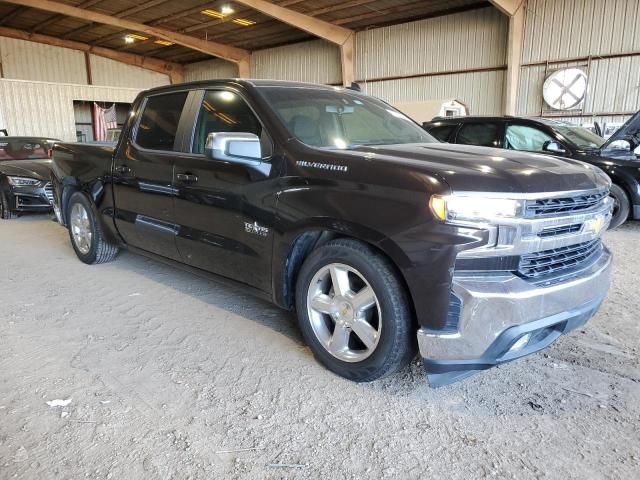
(100, 251)
(621, 206)
(396, 344)
(5, 212)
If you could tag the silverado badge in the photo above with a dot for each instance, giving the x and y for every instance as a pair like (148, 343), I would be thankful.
(256, 229)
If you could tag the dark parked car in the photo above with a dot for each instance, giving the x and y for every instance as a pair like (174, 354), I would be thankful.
(616, 156)
(25, 173)
(332, 203)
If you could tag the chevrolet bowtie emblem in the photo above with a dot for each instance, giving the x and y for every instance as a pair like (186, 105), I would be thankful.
(594, 225)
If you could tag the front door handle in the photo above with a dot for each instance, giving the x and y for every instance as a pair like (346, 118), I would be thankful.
(122, 169)
(187, 178)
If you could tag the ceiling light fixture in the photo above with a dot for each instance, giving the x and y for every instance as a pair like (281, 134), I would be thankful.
(245, 22)
(212, 13)
(132, 37)
(227, 10)
(165, 43)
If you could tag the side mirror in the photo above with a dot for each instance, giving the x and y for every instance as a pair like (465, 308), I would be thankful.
(620, 145)
(553, 147)
(234, 147)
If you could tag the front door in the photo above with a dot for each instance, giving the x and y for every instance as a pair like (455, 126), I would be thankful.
(143, 177)
(224, 208)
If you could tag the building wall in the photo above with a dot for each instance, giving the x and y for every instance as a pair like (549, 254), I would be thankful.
(601, 37)
(107, 72)
(40, 83)
(434, 57)
(316, 61)
(209, 70)
(44, 108)
(35, 61)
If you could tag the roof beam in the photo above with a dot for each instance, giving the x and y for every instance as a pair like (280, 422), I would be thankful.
(314, 26)
(341, 36)
(515, 10)
(215, 49)
(508, 7)
(173, 70)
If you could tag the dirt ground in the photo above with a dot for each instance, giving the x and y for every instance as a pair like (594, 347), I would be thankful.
(173, 376)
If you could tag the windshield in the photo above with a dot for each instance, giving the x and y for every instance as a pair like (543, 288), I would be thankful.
(24, 149)
(341, 119)
(580, 136)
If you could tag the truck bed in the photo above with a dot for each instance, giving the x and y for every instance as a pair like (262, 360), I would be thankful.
(83, 161)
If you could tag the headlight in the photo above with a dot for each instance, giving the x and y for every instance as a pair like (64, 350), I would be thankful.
(474, 209)
(23, 181)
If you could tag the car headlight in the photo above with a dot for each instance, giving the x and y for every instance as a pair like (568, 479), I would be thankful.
(474, 209)
(23, 181)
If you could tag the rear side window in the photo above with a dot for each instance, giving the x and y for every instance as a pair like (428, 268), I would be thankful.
(442, 133)
(481, 134)
(159, 121)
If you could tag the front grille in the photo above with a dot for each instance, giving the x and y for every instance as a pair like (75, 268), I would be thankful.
(539, 265)
(555, 206)
(563, 230)
(48, 190)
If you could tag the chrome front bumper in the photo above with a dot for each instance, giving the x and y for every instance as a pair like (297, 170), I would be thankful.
(504, 317)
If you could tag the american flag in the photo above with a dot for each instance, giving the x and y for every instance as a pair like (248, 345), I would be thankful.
(104, 118)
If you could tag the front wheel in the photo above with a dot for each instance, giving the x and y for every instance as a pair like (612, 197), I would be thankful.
(85, 232)
(354, 311)
(621, 206)
(5, 211)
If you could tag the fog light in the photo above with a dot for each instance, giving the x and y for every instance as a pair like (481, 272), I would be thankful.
(521, 343)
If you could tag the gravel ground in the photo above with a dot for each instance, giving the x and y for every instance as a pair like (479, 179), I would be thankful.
(173, 376)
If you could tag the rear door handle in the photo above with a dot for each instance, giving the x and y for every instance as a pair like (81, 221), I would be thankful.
(122, 169)
(187, 177)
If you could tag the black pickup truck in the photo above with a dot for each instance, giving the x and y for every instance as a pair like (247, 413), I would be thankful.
(332, 203)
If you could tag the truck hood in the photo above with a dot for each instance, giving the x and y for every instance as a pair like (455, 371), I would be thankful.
(481, 169)
(40, 169)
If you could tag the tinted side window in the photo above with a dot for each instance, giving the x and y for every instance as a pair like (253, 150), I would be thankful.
(224, 111)
(521, 137)
(443, 132)
(482, 134)
(159, 122)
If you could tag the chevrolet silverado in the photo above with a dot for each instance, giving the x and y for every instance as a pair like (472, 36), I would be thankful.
(332, 203)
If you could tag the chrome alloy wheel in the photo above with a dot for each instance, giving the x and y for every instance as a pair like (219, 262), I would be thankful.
(344, 312)
(81, 228)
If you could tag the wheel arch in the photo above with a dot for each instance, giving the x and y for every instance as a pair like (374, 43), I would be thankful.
(295, 246)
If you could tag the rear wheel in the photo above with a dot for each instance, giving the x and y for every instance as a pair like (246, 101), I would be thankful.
(354, 312)
(86, 234)
(5, 212)
(621, 206)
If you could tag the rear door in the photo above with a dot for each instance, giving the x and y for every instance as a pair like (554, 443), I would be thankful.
(143, 176)
(224, 209)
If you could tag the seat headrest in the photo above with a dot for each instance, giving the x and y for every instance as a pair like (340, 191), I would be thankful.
(304, 127)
